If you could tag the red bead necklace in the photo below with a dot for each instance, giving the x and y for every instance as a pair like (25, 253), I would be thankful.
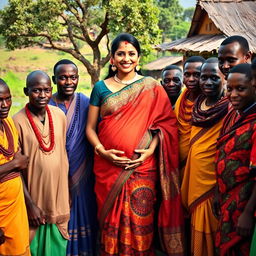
(37, 133)
(10, 150)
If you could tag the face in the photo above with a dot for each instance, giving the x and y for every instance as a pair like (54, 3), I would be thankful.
(39, 92)
(240, 91)
(5, 101)
(231, 55)
(192, 75)
(66, 77)
(211, 80)
(125, 58)
(172, 82)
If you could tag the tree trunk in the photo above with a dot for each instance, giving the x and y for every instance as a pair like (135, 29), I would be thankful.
(95, 76)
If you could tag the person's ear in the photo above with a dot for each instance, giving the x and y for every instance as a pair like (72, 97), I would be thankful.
(54, 79)
(248, 57)
(25, 90)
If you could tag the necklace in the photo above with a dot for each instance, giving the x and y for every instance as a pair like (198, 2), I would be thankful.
(37, 133)
(10, 150)
(127, 81)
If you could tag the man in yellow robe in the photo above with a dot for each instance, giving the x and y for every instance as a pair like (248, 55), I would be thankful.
(13, 214)
(199, 174)
(185, 102)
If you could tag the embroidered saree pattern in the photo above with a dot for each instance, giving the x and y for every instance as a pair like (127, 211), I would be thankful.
(126, 198)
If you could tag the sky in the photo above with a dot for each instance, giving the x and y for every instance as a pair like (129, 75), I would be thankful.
(3, 3)
(188, 3)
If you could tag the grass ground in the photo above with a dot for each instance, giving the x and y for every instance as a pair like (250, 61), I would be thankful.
(15, 66)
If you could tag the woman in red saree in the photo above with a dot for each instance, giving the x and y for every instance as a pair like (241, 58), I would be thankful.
(136, 118)
(236, 167)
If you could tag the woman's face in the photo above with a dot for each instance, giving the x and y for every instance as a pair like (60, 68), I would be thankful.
(125, 58)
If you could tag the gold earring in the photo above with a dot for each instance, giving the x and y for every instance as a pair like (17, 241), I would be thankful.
(137, 68)
(113, 67)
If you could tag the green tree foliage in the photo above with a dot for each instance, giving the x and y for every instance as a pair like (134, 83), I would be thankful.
(174, 21)
(188, 14)
(66, 25)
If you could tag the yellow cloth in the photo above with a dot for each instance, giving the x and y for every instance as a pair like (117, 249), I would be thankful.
(13, 214)
(47, 174)
(199, 174)
(183, 126)
(199, 178)
(203, 228)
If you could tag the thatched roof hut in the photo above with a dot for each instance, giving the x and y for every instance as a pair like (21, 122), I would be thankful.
(154, 68)
(213, 21)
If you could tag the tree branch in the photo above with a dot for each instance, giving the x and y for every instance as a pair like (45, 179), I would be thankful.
(107, 57)
(104, 29)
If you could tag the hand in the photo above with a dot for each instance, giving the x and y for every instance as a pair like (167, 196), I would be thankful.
(112, 155)
(245, 224)
(144, 154)
(35, 216)
(2, 238)
(21, 161)
(216, 207)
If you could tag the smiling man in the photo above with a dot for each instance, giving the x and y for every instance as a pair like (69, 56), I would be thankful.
(42, 135)
(233, 50)
(236, 166)
(82, 224)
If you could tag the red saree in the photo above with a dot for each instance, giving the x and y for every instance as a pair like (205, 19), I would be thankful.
(235, 168)
(126, 199)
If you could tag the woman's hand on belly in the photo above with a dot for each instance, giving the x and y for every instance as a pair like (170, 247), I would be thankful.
(144, 154)
(113, 156)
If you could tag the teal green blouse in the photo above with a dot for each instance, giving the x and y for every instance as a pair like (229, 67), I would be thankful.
(99, 92)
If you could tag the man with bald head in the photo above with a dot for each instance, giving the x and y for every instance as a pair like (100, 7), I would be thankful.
(14, 231)
(233, 50)
(42, 131)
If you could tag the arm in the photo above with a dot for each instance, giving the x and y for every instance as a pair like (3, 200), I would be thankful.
(35, 214)
(245, 222)
(216, 202)
(18, 163)
(2, 238)
(108, 154)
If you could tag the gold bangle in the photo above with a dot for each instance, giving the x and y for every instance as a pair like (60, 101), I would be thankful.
(97, 147)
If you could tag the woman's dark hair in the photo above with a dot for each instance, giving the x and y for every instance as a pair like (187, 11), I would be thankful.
(123, 37)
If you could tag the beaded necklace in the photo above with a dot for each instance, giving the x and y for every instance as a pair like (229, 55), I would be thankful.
(127, 82)
(37, 133)
(10, 150)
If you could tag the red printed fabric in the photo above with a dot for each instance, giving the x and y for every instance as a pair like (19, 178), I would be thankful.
(129, 118)
(235, 167)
